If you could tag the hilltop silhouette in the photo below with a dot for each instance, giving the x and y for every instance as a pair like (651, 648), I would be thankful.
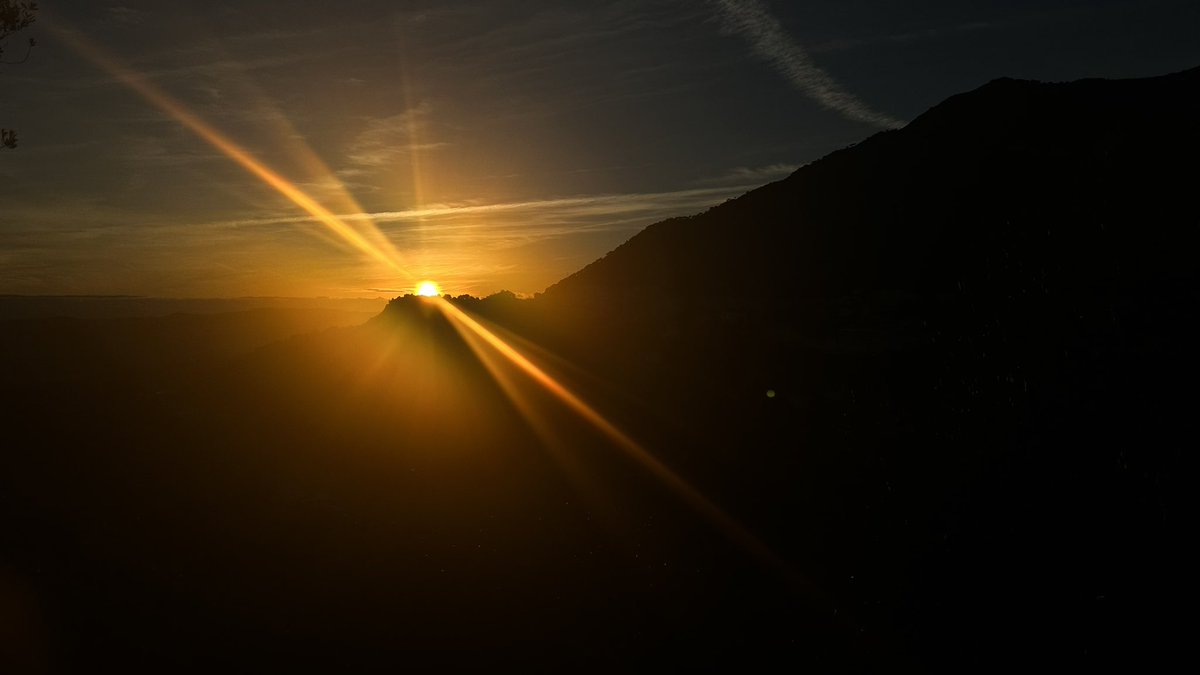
(944, 375)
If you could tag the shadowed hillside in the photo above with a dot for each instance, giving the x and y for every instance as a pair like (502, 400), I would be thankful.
(955, 355)
(943, 377)
(1083, 177)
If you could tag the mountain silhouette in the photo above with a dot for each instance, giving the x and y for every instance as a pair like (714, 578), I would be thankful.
(964, 347)
(943, 375)
(1087, 172)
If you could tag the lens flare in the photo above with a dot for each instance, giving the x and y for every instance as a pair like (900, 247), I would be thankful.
(467, 325)
(375, 247)
(382, 253)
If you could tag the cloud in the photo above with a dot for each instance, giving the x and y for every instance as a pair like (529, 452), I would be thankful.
(743, 175)
(125, 15)
(144, 151)
(769, 40)
(386, 139)
(507, 224)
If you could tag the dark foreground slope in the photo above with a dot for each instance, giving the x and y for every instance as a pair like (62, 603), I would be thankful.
(943, 375)
(947, 371)
(361, 499)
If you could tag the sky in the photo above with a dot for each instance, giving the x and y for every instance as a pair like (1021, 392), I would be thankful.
(484, 144)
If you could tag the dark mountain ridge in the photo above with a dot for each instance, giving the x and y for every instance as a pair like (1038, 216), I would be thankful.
(977, 334)
(944, 375)
(910, 209)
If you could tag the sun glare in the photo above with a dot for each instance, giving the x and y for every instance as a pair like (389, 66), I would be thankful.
(428, 289)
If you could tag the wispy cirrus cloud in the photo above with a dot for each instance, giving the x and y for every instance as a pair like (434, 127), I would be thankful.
(524, 221)
(124, 15)
(522, 245)
(746, 175)
(386, 139)
(752, 19)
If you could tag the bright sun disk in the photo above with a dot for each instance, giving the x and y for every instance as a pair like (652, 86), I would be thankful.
(428, 289)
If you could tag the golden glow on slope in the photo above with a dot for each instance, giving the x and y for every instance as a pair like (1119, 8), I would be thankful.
(382, 253)
(428, 289)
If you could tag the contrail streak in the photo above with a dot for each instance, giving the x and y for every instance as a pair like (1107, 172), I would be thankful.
(586, 205)
(770, 41)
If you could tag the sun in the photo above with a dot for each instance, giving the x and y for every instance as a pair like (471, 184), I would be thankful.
(428, 289)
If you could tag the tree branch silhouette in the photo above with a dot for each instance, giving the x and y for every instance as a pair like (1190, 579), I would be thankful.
(15, 15)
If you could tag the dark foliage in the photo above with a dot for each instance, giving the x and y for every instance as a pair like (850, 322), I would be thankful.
(15, 15)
